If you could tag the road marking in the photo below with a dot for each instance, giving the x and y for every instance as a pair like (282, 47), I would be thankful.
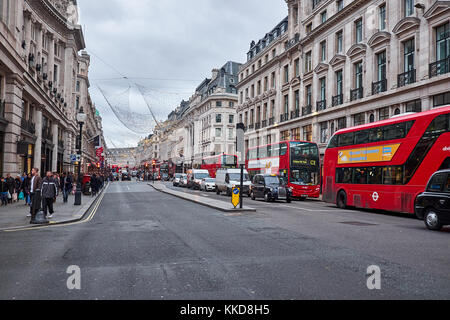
(53, 224)
(310, 210)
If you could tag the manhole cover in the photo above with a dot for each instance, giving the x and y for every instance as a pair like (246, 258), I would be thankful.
(358, 224)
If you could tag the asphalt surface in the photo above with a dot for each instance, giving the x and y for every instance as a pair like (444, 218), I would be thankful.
(143, 244)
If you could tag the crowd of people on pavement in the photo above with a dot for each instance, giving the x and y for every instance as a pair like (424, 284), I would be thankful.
(39, 194)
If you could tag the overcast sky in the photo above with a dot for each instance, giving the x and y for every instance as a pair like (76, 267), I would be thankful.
(168, 46)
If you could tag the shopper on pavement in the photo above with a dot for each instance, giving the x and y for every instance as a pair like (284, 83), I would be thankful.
(35, 194)
(49, 193)
(26, 184)
(68, 186)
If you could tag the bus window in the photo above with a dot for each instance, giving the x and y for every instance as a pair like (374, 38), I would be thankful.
(376, 134)
(333, 141)
(346, 139)
(374, 175)
(263, 152)
(359, 176)
(269, 151)
(344, 175)
(362, 137)
(392, 175)
(396, 131)
(275, 150)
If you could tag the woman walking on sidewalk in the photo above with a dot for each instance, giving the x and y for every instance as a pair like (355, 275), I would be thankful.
(26, 184)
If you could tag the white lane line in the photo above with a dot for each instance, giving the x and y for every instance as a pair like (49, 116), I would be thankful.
(310, 210)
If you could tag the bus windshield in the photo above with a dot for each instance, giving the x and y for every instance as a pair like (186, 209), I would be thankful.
(305, 175)
(229, 161)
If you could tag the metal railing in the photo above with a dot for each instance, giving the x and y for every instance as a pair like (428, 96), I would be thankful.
(356, 94)
(264, 124)
(295, 114)
(271, 121)
(306, 110)
(257, 125)
(337, 100)
(379, 86)
(440, 67)
(28, 126)
(251, 126)
(284, 117)
(321, 105)
(407, 77)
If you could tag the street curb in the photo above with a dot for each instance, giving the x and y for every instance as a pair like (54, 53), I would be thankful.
(31, 226)
(202, 203)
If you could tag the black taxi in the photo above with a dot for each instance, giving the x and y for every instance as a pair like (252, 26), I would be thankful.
(270, 188)
(433, 205)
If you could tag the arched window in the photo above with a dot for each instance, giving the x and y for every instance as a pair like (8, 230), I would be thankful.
(397, 111)
(371, 118)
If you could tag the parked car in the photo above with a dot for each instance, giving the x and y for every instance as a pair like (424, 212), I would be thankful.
(176, 179)
(433, 205)
(208, 184)
(226, 179)
(195, 177)
(270, 188)
(183, 181)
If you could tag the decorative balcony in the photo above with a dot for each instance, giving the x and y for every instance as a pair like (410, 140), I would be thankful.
(337, 100)
(264, 124)
(284, 117)
(271, 121)
(28, 126)
(440, 67)
(379, 86)
(292, 42)
(251, 126)
(306, 110)
(356, 94)
(406, 78)
(295, 114)
(257, 125)
(321, 105)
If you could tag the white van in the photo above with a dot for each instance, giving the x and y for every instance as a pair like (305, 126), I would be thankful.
(226, 179)
(195, 177)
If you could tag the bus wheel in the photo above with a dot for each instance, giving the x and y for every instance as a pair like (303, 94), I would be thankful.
(432, 221)
(342, 200)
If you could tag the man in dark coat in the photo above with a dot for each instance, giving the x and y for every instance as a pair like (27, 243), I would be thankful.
(49, 193)
(11, 186)
(35, 193)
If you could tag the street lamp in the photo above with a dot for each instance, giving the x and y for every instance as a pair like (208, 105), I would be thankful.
(81, 118)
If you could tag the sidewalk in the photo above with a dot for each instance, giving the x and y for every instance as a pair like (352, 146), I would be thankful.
(15, 215)
(208, 202)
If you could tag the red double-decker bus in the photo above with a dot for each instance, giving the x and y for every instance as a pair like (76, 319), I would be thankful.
(297, 161)
(213, 163)
(385, 165)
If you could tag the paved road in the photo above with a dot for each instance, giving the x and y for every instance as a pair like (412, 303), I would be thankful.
(142, 244)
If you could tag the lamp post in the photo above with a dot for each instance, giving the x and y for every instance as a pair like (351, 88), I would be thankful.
(81, 118)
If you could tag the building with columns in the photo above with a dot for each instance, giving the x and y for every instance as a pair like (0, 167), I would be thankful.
(335, 64)
(40, 69)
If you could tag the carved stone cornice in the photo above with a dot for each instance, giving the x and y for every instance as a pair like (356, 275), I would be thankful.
(405, 25)
(321, 67)
(437, 9)
(379, 38)
(338, 60)
(357, 49)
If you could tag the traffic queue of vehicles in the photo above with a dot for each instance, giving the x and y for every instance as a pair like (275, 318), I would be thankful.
(398, 165)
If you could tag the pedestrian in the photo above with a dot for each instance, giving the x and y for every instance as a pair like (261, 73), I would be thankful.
(94, 185)
(18, 187)
(26, 183)
(35, 194)
(4, 189)
(49, 193)
(68, 186)
(11, 187)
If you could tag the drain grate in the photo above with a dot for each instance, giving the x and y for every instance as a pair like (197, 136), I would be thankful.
(358, 224)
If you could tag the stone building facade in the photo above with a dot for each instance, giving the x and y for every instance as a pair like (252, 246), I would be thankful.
(335, 64)
(40, 63)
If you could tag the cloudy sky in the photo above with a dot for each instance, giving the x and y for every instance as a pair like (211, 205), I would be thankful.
(167, 47)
